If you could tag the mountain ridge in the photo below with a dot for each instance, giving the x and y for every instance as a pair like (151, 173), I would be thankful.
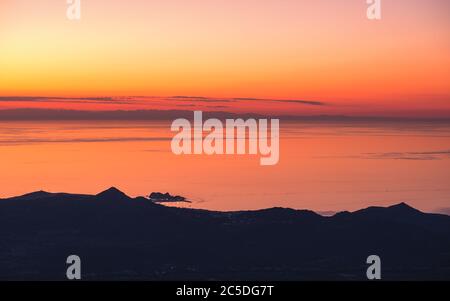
(124, 238)
(115, 193)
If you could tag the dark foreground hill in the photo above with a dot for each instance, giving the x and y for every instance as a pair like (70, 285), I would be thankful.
(122, 238)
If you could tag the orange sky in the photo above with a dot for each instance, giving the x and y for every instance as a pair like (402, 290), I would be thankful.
(297, 57)
(322, 50)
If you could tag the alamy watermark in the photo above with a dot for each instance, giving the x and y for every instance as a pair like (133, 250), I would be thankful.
(374, 10)
(73, 11)
(374, 270)
(73, 272)
(229, 139)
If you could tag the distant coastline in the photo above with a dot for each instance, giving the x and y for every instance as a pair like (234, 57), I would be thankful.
(31, 114)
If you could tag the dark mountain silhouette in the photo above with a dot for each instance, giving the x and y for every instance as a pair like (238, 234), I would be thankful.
(112, 194)
(123, 238)
(159, 197)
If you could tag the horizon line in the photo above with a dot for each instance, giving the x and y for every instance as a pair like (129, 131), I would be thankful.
(43, 114)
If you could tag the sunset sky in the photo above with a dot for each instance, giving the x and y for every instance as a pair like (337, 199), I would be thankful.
(324, 51)
(280, 57)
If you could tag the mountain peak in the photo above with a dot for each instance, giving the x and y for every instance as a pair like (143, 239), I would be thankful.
(403, 207)
(398, 210)
(39, 193)
(112, 193)
(34, 195)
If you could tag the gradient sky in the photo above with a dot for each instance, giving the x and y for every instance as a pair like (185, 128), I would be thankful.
(298, 57)
(321, 50)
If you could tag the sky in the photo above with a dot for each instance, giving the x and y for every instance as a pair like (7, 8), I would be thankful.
(314, 58)
(324, 51)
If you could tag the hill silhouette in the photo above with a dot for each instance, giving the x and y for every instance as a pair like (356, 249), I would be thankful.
(124, 238)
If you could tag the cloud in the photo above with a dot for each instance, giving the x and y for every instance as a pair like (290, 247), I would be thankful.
(197, 98)
(190, 105)
(304, 102)
(85, 100)
(428, 155)
(45, 98)
(154, 102)
(24, 141)
(245, 99)
(424, 156)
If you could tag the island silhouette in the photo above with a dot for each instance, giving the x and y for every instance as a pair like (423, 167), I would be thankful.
(122, 238)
